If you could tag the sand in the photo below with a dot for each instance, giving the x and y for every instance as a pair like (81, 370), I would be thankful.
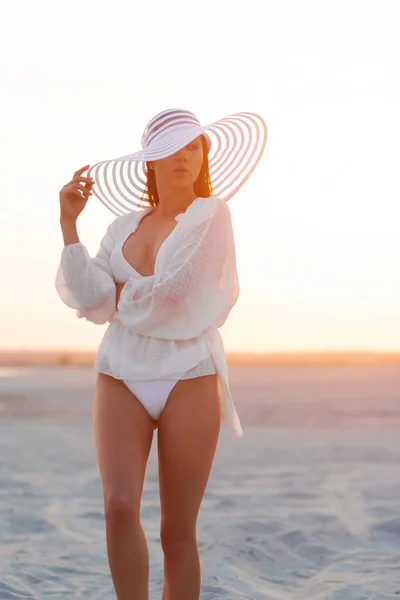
(304, 507)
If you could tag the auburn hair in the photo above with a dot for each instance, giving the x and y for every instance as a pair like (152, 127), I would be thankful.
(202, 186)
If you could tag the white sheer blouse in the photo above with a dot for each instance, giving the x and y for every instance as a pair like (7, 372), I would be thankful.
(164, 323)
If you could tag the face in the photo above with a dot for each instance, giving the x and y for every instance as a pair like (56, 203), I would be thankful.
(180, 169)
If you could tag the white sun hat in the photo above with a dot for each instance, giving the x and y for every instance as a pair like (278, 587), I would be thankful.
(235, 143)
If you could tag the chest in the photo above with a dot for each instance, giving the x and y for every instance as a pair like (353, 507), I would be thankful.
(140, 248)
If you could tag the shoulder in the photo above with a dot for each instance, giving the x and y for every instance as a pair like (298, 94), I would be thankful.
(204, 209)
(212, 203)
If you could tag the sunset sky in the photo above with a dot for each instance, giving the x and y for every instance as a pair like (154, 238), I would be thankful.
(317, 227)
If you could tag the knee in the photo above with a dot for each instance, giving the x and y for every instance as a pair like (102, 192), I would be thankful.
(121, 509)
(177, 539)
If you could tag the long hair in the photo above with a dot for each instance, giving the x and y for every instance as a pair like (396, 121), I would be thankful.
(202, 186)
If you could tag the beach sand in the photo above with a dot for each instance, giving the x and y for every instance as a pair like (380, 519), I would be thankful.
(304, 507)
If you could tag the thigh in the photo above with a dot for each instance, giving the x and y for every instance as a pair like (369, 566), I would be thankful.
(123, 433)
(188, 431)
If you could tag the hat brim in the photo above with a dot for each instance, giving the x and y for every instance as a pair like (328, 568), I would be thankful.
(236, 144)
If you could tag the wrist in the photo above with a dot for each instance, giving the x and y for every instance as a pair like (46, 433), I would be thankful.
(69, 231)
(67, 221)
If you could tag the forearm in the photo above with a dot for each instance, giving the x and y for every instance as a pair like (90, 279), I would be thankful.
(69, 232)
(179, 316)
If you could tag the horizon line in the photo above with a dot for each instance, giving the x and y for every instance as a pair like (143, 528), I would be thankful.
(68, 357)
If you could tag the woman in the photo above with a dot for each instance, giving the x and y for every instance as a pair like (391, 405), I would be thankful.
(165, 279)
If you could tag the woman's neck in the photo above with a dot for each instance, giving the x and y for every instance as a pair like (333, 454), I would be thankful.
(174, 201)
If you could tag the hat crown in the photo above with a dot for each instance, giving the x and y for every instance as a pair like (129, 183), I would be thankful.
(167, 122)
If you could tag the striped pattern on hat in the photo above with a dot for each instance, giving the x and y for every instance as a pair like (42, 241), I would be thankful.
(236, 144)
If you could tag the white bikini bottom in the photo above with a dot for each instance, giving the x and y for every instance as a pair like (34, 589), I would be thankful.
(154, 393)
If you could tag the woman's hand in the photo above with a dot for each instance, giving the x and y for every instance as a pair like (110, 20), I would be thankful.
(118, 287)
(73, 196)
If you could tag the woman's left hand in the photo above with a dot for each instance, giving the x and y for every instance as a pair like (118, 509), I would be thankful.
(118, 287)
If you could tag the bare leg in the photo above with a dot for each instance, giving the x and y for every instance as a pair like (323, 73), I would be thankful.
(188, 433)
(123, 434)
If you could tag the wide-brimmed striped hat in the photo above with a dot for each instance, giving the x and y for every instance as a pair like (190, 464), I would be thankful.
(235, 145)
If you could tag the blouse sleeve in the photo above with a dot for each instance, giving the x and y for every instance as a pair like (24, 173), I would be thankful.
(197, 289)
(86, 283)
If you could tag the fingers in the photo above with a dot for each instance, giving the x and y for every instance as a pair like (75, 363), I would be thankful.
(81, 195)
(78, 177)
(87, 179)
(86, 190)
(88, 182)
(75, 187)
(80, 171)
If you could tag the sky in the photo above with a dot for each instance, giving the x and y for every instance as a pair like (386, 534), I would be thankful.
(316, 226)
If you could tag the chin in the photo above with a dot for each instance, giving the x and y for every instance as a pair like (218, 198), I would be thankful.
(182, 179)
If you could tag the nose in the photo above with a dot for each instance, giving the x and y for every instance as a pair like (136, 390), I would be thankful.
(181, 155)
(180, 162)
